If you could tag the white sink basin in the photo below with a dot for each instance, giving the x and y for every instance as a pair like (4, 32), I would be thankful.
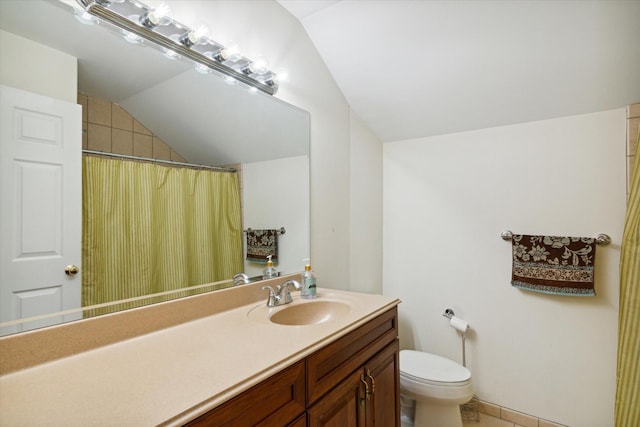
(311, 313)
(302, 312)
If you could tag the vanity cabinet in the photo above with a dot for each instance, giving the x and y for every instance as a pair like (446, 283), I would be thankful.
(351, 382)
(367, 397)
(360, 375)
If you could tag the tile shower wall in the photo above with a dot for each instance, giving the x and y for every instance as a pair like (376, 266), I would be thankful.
(108, 127)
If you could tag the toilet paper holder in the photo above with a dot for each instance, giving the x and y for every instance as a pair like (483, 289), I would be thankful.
(456, 323)
(448, 313)
(469, 410)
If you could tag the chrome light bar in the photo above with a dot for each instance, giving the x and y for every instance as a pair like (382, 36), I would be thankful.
(134, 17)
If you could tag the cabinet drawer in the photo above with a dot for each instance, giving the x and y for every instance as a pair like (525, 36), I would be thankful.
(275, 402)
(330, 365)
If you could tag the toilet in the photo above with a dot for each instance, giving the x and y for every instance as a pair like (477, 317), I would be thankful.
(438, 386)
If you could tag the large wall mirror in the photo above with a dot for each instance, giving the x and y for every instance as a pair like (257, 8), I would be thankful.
(204, 119)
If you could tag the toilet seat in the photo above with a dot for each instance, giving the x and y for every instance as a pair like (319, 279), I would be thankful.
(431, 369)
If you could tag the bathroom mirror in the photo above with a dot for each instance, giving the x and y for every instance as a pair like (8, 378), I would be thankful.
(199, 116)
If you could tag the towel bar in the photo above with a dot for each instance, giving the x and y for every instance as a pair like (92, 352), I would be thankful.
(281, 231)
(601, 239)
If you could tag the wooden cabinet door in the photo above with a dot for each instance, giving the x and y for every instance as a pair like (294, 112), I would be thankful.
(274, 402)
(344, 406)
(301, 421)
(382, 373)
(328, 366)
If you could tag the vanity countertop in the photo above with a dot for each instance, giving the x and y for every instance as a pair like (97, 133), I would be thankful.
(175, 374)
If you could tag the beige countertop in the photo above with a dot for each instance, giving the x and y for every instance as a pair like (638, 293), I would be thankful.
(175, 374)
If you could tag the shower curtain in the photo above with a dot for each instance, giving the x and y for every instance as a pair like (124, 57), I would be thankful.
(149, 228)
(627, 412)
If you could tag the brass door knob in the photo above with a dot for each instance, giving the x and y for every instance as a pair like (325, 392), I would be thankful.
(71, 270)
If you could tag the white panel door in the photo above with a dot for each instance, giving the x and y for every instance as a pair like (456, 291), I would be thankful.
(41, 208)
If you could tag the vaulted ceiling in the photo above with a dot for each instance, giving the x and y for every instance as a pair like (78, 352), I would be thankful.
(425, 67)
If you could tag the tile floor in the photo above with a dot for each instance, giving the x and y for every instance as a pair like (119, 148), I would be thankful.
(490, 415)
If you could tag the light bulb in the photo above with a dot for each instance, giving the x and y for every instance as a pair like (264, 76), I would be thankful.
(161, 15)
(231, 52)
(194, 36)
(283, 76)
(189, 38)
(201, 32)
(164, 14)
(260, 65)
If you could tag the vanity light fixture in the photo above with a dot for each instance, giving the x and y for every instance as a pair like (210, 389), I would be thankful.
(139, 22)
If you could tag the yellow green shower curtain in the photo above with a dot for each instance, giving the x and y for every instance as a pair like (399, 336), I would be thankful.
(627, 412)
(149, 228)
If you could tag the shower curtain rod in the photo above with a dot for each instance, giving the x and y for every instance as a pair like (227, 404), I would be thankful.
(147, 159)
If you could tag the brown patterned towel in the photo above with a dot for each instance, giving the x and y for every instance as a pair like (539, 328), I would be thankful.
(261, 244)
(554, 265)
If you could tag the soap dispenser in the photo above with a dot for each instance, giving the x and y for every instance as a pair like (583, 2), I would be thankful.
(308, 282)
(269, 271)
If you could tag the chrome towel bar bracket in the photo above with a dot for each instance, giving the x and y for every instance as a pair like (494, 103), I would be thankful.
(601, 239)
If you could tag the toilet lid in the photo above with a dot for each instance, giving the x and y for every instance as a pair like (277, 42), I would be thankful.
(432, 368)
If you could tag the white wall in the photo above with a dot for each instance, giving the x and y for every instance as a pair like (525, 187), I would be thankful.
(276, 194)
(41, 69)
(365, 213)
(446, 200)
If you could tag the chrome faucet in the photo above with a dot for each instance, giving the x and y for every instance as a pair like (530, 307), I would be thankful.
(240, 279)
(274, 300)
(283, 294)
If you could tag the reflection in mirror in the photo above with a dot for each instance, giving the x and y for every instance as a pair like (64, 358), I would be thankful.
(186, 116)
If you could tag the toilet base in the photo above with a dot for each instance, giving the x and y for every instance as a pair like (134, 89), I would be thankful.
(437, 414)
